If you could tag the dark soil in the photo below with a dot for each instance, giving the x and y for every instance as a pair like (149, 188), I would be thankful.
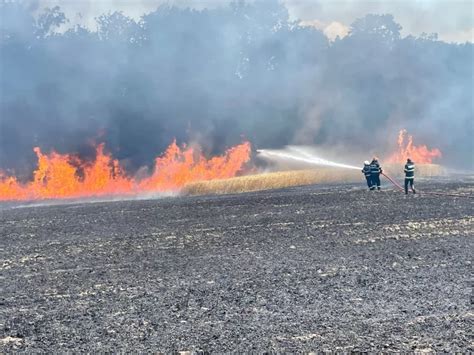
(302, 269)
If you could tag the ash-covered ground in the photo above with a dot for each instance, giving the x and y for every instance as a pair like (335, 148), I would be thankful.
(301, 269)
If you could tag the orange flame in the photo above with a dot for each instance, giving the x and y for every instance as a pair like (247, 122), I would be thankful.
(60, 176)
(419, 154)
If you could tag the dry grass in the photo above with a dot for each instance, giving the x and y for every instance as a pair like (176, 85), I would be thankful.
(282, 179)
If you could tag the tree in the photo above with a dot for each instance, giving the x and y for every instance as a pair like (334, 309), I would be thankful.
(50, 20)
(382, 26)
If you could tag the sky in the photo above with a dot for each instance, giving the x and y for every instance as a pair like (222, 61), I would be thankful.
(452, 20)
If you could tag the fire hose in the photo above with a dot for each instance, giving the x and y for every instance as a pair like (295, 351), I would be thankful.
(425, 193)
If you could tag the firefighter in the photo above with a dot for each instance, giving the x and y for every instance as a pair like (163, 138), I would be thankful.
(366, 172)
(375, 171)
(409, 176)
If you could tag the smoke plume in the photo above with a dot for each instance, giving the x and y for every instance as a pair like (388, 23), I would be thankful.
(217, 76)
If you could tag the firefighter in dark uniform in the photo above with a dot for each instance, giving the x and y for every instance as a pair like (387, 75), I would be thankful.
(409, 176)
(375, 171)
(366, 172)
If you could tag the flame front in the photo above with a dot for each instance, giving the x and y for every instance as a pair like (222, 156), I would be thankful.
(406, 149)
(60, 176)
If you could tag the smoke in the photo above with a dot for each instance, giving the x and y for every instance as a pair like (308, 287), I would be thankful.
(217, 76)
(78, 202)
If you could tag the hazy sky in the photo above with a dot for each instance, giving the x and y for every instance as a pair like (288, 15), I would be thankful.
(453, 20)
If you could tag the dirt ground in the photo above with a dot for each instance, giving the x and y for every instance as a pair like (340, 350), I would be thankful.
(301, 269)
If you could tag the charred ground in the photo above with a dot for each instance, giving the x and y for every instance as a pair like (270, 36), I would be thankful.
(309, 268)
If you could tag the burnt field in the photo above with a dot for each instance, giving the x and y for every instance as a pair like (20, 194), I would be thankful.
(300, 269)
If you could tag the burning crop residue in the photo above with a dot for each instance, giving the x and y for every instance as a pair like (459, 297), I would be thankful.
(406, 149)
(64, 176)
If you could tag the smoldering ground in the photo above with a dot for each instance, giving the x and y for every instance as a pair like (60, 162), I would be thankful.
(313, 268)
(216, 76)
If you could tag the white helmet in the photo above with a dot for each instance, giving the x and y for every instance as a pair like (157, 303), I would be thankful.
(366, 162)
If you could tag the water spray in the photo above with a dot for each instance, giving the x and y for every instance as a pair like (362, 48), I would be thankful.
(299, 154)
